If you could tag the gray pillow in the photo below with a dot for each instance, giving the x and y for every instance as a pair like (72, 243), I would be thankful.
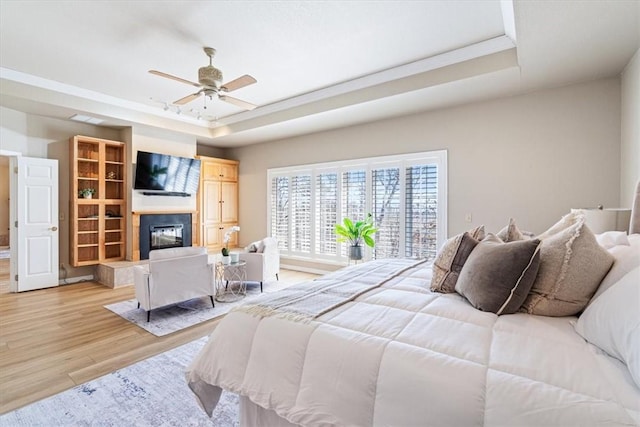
(511, 233)
(451, 258)
(497, 276)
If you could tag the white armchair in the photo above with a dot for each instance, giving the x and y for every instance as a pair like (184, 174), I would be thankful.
(173, 275)
(264, 264)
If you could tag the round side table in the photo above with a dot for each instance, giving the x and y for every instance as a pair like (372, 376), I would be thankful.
(231, 281)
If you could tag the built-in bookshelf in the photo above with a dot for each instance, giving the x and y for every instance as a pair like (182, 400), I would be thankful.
(98, 200)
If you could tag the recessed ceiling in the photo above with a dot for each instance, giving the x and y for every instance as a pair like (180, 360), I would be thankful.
(313, 61)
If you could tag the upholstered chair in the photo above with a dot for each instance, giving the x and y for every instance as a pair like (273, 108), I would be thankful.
(263, 264)
(172, 276)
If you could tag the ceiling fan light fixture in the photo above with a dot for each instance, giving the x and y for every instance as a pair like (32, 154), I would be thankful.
(209, 76)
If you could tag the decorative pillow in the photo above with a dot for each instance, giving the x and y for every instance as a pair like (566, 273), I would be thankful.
(253, 247)
(572, 265)
(451, 258)
(260, 246)
(612, 322)
(626, 259)
(497, 276)
(511, 233)
(609, 239)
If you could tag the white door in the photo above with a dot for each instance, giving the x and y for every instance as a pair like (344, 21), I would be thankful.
(34, 185)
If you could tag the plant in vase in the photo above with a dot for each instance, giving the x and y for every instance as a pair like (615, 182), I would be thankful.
(227, 239)
(356, 233)
(87, 193)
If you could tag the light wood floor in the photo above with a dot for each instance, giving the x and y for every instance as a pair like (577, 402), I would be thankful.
(54, 339)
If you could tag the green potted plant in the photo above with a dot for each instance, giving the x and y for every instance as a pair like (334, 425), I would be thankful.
(87, 193)
(356, 233)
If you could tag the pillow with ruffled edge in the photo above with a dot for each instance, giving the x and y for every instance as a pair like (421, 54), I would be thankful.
(451, 258)
(612, 323)
(572, 265)
(497, 276)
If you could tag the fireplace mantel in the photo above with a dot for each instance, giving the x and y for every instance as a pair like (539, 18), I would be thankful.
(135, 222)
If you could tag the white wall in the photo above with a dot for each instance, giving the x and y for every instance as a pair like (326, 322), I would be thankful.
(630, 123)
(164, 142)
(530, 157)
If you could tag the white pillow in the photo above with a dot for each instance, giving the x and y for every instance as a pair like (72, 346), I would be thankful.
(626, 259)
(612, 322)
(609, 239)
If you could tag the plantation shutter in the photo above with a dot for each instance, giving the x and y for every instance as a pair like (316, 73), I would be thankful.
(385, 198)
(280, 211)
(301, 213)
(421, 210)
(326, 213)
(354, 198)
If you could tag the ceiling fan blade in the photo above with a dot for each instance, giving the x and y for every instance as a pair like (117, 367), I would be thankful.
(187, 98)
(238, 83)
(235, 101)
(178, 79)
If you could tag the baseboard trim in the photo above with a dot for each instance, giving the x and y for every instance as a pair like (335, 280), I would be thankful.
(304, 269)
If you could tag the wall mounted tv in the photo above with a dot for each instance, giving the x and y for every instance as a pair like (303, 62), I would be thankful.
(165, 175)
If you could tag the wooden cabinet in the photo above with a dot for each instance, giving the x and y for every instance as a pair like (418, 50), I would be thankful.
(97, 220)
(217, 201)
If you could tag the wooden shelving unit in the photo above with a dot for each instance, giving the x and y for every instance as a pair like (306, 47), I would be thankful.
(97, 224)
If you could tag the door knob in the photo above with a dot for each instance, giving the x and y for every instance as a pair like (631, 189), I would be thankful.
(54, 228)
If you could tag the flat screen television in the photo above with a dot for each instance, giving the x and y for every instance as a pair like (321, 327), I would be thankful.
(162, 174)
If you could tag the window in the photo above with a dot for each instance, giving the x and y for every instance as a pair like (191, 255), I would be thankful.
(406, 195)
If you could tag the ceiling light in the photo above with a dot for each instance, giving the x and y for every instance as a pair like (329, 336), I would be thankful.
(86, 119)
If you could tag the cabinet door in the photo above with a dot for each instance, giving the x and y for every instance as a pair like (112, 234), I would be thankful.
(229, 205)
(228, 172)
(210, 170)
(212, 236)
(211, 202)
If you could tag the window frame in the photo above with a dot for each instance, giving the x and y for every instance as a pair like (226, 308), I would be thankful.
(368, 164)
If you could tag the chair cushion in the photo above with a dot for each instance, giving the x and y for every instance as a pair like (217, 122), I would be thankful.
(157, 254)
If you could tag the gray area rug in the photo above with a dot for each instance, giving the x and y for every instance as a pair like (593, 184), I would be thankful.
(152, 392)
(172, 318)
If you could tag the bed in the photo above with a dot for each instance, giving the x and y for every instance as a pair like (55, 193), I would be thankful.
(373, 344)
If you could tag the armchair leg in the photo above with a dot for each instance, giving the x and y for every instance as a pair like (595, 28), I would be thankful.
(226, 286)
(138, 304)
(148, 316)
(212, 303)
(260, 287)
(277, 278)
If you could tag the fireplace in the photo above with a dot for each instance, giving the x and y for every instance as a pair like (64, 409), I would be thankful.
(160, 231)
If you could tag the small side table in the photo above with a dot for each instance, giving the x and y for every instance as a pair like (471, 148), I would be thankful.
(227, 275)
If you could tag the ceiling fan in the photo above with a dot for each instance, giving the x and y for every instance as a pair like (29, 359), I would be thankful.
(209, 79)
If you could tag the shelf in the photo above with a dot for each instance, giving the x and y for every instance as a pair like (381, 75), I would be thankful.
(99, 164)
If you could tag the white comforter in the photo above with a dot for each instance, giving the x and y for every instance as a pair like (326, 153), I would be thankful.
(400, 355)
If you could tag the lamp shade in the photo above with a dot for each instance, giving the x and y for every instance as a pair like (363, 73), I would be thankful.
(601, 220)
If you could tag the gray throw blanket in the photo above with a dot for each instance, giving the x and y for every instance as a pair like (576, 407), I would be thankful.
(306, 301)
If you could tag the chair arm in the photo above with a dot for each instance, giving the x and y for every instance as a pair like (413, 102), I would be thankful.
(141, 282)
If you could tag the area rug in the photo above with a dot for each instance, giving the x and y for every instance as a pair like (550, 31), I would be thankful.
(167, 320)
(152, 392)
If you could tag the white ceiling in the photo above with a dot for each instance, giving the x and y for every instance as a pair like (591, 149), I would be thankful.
(319, 64)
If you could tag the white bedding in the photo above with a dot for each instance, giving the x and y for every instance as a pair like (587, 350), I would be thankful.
(401, 355)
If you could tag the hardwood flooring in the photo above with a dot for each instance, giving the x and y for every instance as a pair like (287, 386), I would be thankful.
(54, 339)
